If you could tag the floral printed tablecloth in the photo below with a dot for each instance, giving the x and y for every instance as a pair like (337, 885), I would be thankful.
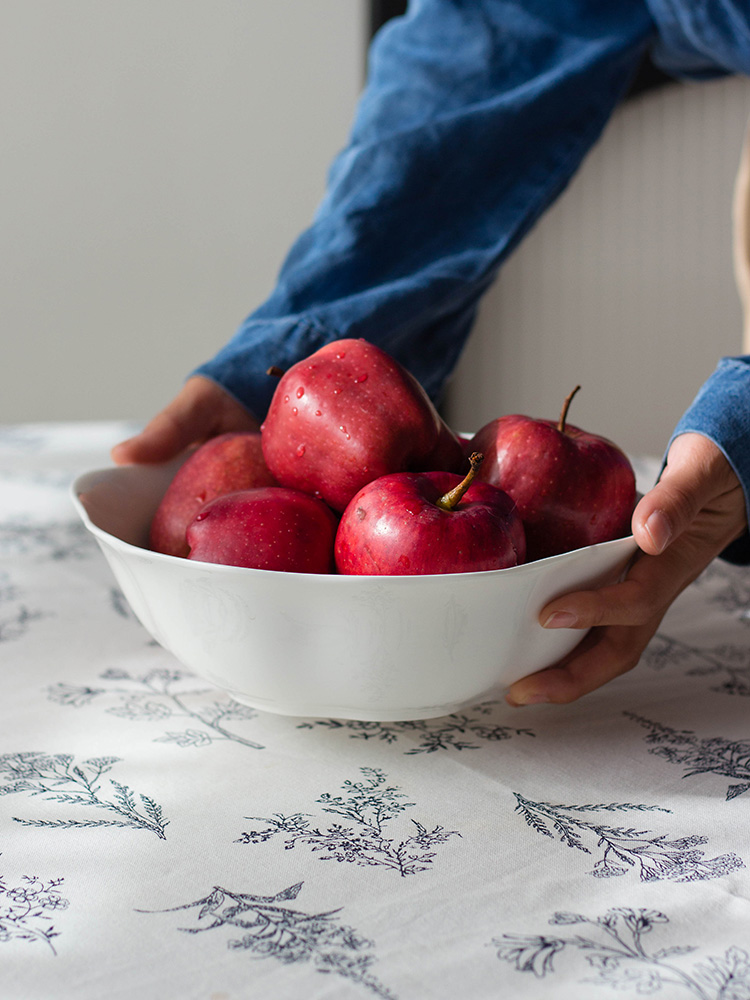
(159, 840)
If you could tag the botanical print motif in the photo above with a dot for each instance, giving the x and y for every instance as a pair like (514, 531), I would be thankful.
(370, 806)
(121, 607)
(58, 779)
(25, 910)
(614, 948)
(624, 848)
(459, 731)
(158, 695)
(729, 588)
(55, 540)
(728, 663)
(271, 929)
(15, 617)
(710, 755)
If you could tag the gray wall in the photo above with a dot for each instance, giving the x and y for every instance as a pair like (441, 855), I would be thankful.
(157, 160)
(626, 285)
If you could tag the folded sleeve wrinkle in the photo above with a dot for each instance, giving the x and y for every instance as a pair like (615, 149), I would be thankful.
(702, 39)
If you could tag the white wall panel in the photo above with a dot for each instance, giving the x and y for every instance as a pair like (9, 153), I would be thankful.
(626, 284)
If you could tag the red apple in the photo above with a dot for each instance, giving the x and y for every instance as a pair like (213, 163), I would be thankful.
(572, 488)
(431, 522)
(265, 528)
(348, 414)
(229, 462)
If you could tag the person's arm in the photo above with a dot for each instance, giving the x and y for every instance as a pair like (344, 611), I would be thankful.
(474, 118)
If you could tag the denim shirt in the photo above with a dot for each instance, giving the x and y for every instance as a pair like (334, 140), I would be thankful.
(475, 115)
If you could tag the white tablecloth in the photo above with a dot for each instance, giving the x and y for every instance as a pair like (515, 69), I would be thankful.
(158, 840)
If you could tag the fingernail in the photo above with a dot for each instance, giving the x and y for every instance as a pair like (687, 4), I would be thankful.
(533, 698)
(560, 619)
(659, 530)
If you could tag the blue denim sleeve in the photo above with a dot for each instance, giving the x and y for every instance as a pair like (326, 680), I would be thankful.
(702, 40)
(475, 116)
(721, 412)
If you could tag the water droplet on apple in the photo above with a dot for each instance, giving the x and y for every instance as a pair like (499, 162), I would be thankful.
(318, 413)
(294, 410)
(336, 392)
(286, 399)
(340, 355)
(300, 392)
(361, 378)
(300, 451)
(344, 431)
(201, 515)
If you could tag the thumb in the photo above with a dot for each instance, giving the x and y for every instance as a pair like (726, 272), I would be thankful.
(695, 474)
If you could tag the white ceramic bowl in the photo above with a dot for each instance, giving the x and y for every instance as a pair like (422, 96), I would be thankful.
(370, 648)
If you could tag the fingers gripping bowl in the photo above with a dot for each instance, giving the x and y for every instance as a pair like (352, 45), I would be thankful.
(353, 647)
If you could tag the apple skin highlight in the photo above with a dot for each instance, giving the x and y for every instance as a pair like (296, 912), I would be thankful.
(266, 528)
(223, 464)
(572, 488)
(348, 414)
(396, 526)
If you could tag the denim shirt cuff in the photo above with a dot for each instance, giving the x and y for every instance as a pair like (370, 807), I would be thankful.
(241, 367)
(721, 412)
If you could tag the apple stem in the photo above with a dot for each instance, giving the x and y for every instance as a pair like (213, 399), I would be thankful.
(566, 407)
(275, 371)
(449, 500)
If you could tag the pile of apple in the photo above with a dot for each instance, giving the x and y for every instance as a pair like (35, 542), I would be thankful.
(355, 472)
